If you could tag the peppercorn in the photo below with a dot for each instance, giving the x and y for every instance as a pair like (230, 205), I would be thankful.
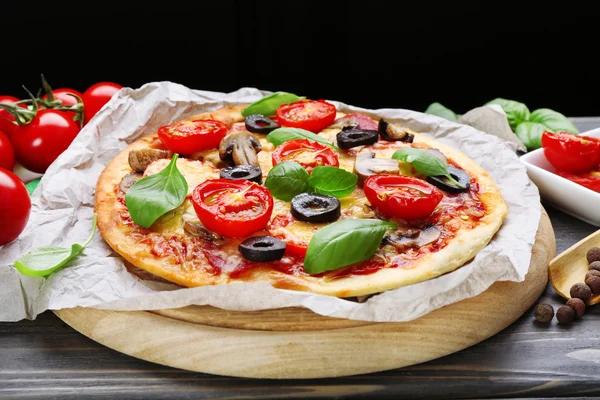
(592, 272)
(581, 291)
(578, 305)
(594, 283)
(565, 314)
(593, 254)
(595, 266)
(544, 313)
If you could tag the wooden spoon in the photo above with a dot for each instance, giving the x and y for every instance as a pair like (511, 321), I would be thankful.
(571, 266)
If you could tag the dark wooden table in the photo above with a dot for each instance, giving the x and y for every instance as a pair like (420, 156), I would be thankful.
(47, 359)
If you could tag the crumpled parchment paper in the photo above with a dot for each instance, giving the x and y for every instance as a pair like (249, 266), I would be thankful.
(63, 209)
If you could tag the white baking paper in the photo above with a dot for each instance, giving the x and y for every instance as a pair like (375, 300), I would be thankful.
(63, 209)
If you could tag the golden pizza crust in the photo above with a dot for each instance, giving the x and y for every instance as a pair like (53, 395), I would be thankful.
(459, 250)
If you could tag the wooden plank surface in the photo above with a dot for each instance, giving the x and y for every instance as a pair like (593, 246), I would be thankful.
(47, 359)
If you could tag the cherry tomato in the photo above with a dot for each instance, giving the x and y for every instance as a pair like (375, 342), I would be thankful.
(403, 197)
(590, 180)
(294, 246)
(15, 206)
(6, 126)
(187, 137)
(307, 153)
(571, 153)
(232, 208)
(7, 153)
(312, 115)
(96, 96)
(64, 95)
(38, 143)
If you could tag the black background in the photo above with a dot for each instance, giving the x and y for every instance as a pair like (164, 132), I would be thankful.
(371, 53)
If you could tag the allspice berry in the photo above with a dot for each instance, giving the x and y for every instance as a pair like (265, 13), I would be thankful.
(565, 314)
(581, 291)
(594, 283)
(595, 266)
(544, 313)
(578, 305)
(592, 272)
(593, 254)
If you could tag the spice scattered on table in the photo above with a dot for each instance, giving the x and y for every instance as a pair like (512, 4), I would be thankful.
(565, 314)
(581, 291)
(578, 305)
(544, 313)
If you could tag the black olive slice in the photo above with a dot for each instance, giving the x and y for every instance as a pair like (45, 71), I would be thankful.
(353, 137)
(444, 183)
(249, 172)
(262, 248)
(312, 207)
(260, 124)
(392, 133)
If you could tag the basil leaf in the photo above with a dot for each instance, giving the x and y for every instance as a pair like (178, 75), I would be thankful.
(286, 180)
(530, 133)
(269, 104)
(343, 243)
(157, 194)
(441, 111)
(553, 120)
(45, 260)
(515, 112)
(424, 162)
(332, 181)
(282, 135)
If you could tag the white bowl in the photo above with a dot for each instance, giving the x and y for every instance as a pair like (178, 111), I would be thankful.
(567, 196)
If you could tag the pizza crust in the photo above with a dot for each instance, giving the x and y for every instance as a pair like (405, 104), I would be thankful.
(459, 250)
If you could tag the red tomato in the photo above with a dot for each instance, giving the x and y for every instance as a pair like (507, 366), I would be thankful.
(293, 245)
(232, 208)
(307, 153)
(590, 180)
(403, 197)
(187, 137)
(571, 153)
(64, 95)
(15, 206)
(7, 153)
(6, 126)
(40, 142)
(96, 96)
(312, 115)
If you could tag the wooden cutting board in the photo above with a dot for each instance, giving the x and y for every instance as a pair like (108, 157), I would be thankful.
(295, 343)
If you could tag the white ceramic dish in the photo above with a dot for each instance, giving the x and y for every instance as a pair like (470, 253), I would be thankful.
(573, 199)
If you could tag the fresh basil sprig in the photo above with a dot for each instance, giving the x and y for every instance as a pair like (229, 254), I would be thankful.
(45, 260)
(552, 120)
(155, 195)
(288, 179)
(516, 112)
(344, 243)
(269, 104)
(441, 111)
(282, 135)
(424, 162)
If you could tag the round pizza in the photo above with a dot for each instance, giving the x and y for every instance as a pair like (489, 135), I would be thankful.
(292, 192)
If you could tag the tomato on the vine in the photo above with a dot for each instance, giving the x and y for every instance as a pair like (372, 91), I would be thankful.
(571, 153)
(6, 119)
(187, 137)
(15, 206)
(312, 115)
(64, 95)
(7, 153)
(307, 153)
(232, 208)
(96, 96)
(397, 196)
(38, 143)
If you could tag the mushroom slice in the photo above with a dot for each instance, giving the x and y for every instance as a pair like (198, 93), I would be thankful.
(402, 242)
(393, 133)
(140, 159)
(128, 180)
(344, 122)
(366, 165)
(194, 227)
(240, 148)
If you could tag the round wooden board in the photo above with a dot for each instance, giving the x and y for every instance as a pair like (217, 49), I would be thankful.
(283, 344)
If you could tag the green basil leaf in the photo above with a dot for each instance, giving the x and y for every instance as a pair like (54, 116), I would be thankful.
(332, 181)
(269, 104)
(553, 120)
(286, 180)
(424, 162)
(157, 194)
(344, 243)
(282, 135)
(515, 112)
(441, 111)
(45, 260)
(31, 186)
(530, 133)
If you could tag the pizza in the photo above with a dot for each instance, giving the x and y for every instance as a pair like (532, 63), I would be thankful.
(292, 192)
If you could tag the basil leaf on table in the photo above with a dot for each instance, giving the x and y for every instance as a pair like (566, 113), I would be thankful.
(282, 135)
(425, 163)
(553, 120)
(269, 104)
(530, 133)
(45, 260)
(286, 180)
(344, 243)
(515, 112)
(441, 111)
(332, 181)
(155, 195)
